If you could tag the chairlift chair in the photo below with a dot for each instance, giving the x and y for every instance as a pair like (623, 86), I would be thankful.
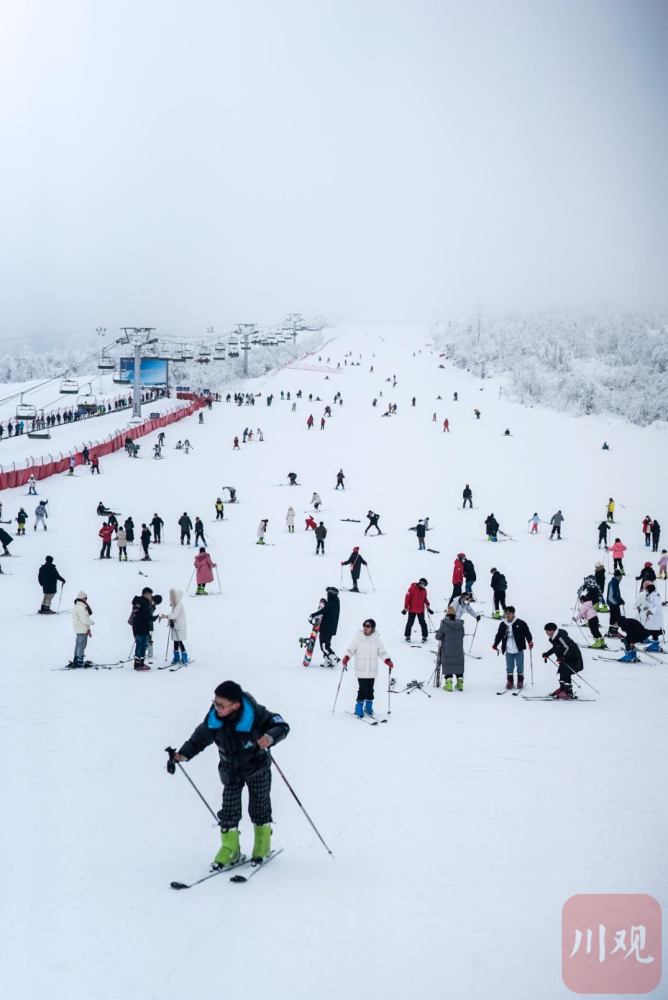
(25, 411)
(69, 387)
(106, 364)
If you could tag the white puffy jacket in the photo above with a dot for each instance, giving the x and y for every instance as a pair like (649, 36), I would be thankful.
(81, 620)
(290, 517)
(177, 616)
(367, 650)
(651, 612)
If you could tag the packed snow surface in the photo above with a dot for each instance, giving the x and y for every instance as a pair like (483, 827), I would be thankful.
(459, 828)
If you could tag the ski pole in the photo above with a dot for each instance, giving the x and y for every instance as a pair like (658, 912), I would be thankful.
(300, 805)
(370, 580)
(218, 578)
(338, 689)
(531, 662)
(169, 633)
(341, 583)
(62, 586)
(389, 690)
(190, 581)
(473, 639)
(575, 674)
(171, 764)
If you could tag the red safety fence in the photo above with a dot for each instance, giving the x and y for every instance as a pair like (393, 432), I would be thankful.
(54, 467)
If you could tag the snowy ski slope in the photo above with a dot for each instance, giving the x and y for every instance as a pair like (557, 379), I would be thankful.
(460, 828)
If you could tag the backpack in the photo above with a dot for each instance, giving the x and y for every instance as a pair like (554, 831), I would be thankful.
(502, 583)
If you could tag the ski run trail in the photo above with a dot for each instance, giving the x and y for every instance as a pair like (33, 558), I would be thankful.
(459, 829)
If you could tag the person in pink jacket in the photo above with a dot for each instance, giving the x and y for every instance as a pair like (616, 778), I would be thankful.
(662, 564)
(204, 568)
(618, 550)
(586, 611)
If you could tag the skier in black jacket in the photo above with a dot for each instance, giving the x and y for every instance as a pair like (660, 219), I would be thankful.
(499, 586)
(157, 524)
(603, 529)
(243, 731)
(568, 657)
(329, 622)
(48, 578)
(373, 522)
(421, 532)
(469, 576)
(186, 527)
(355, 561)
(492, 526)
(141, 620)
(468, 496)
(129, 530)
(514, 636)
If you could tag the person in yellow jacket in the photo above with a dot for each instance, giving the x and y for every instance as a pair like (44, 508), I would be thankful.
(611, 510)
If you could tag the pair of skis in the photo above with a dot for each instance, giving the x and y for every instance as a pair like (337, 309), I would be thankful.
(370, 720)
(243, 860)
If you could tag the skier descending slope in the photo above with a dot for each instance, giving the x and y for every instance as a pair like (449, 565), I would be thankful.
(355, 561)
(366, 647)
(568, 656)
(556, 521)
(243, 731)
(415, 603)
(450, 638)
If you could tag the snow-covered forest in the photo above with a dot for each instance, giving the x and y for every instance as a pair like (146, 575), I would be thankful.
(579, 362)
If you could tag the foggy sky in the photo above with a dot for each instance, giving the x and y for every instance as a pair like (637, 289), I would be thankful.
(180, 163)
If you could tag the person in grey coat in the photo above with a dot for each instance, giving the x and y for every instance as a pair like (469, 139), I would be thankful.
(450, 638)
(556, 521)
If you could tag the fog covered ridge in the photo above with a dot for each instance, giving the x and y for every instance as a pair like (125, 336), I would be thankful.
(578, 362)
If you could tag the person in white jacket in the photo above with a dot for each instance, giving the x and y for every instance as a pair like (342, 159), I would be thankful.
(463, 604)
(651, 612)
(316, 501)
(290, 520)
(81, 622)
(366, 647)
(177, 625)
(261, 531)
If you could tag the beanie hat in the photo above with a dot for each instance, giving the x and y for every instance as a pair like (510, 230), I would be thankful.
(598, 565)
(450, 613)
(230, 690)
(356, 549)
(648, 564)
(422, 580)
(461, 555)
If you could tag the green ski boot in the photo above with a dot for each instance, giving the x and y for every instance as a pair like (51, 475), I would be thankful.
(230, 850)
(460, 683)
(448, 684)
(262, 844)
(598, 644)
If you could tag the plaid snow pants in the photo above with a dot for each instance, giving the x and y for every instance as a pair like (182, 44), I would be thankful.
(259, 801)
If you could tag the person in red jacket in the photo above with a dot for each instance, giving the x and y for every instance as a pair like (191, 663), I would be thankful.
(457, 576)
(94, 464)
(310, 523)
(415, 603)
(105, 533)
(646, 530)
(309, 422)
(235, 446)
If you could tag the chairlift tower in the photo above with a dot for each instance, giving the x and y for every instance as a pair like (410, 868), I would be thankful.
(246, 330)
(138, 337)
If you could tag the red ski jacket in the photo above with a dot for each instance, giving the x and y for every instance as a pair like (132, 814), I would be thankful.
(458, 571)
(105, 532)
(416, 599)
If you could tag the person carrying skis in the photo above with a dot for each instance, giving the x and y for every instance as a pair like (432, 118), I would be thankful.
(366, 647)
(651, 614)
(186, 526)
(105, 533)
(261, 531)
(32, 486)
(450, 638)
(468, 496)
(618, 550)
(329, 623)
(220, 510)
(469, 575)
(499, 586)
(41, 514)
(316, 501)
(556, 521)
(514, 636)
(141, 619)
(290, 520)
(646, 575)
(355, 561)
(615, 602)
(569, 659)
(415, 604)
(204, 567)
(81, 623)
(492, 526)
(603, 530)
(655, 528)
(122, 543)
(339, 480)
(48, 577)
(145, 540)
(310, 523)
(243, 731)
(586, 611)
(647, 530)
(21, 519)
(157, 524)
(129, 530)
(321, 535)
(373, 522)
(178, 629)
(610, 510)
(421, 532)
(534, 522)
(199, 532)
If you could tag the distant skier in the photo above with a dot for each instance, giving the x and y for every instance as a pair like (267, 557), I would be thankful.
(454, 397)
(477, 414)
(339, 480)
(556, 521)
(129, 530)
(235, 446)
(355, 561)
(373, 522)
(316, 501)
(492, 526)
(122, 544)
(534, 522)
(421, 531)
(469, 576)
(450, 638)
(569, 659)
(309, 422)
(310, 523)
(243, 731)
(322, 423)
(457, 576)
(446, 425)
(48, 578)
(611, 510)
(329, 622)
(204, 567)
(514, 636)
(41, 514)
(145, 540)
(220, 510)
(655, 529)
(95, 462)
(603, 530)
(618, 550)
(262, 531)
(157, 524)
(21, 519)
(321, 535)
(199, 532)
(292, 479)
(416, 603)
(186, 526)
(72, 464)
(499, 586)
(468, 496)
(290, 520)
(647, 530)
(663, 565)
(81, 623)
(366, 647)
(32, 486)
(105, 533)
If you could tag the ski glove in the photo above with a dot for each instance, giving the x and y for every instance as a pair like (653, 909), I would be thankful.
(345, 661)
(477, 618)
(495, 650)
(389, 663)
(405, 611)
(530, 645)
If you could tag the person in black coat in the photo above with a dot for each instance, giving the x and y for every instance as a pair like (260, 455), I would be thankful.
(145, 539)
(646, 575)
(514, 636)
(569, 658)
(48, 578)
(141, 619)
(157, 524)
(634, 632)
(186, 527)
(129, 530)
(243, 731)
(469, 576)
(468, 496)
(329, 623)
(603, 529)
(421, 532)
(492, 526)
(655, 528)
(355, 561)
(499, 585)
